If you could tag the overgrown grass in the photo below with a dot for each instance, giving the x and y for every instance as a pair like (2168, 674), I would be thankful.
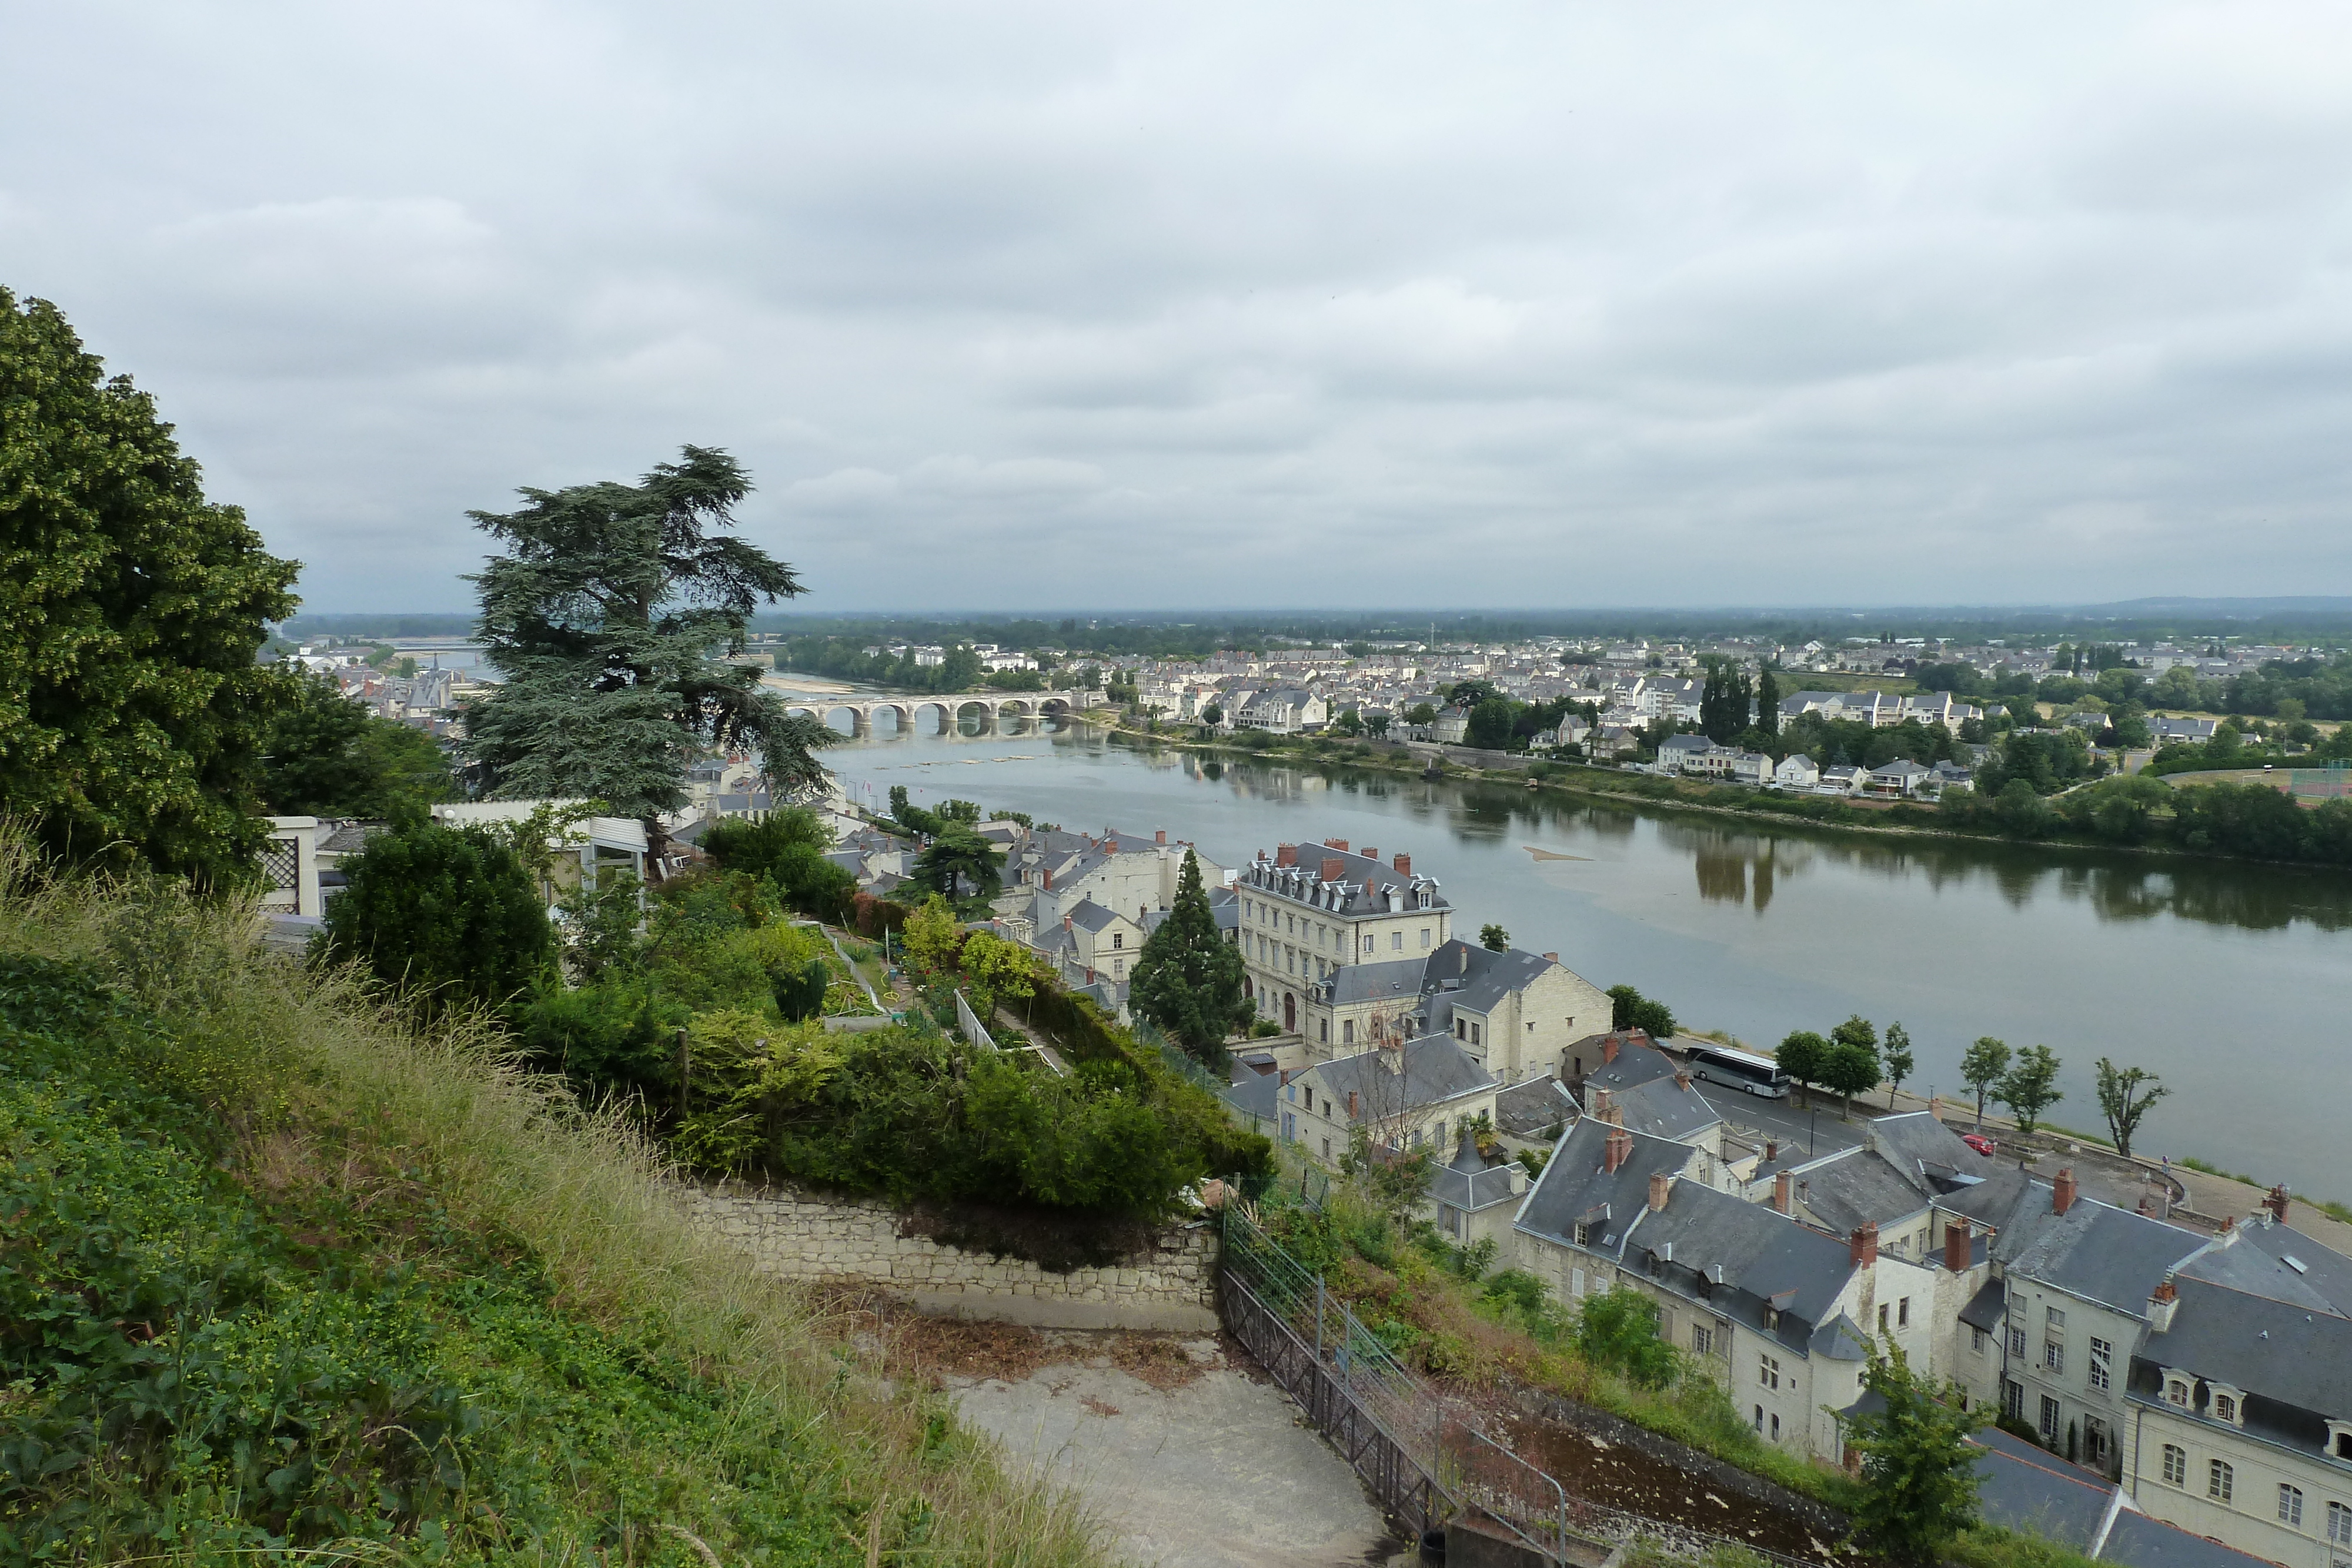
(438, 1310)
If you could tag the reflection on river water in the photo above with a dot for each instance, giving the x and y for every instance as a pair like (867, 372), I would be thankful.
(2231, 980)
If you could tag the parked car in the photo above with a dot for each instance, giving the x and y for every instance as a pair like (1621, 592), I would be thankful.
(1980, 1143)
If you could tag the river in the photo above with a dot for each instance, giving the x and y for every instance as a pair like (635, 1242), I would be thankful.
(2231, 981)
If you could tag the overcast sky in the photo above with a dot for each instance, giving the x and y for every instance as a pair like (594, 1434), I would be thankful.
(1356, 304)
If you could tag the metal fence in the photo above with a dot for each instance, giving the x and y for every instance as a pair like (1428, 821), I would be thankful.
(968, 1022)
(1422, 1456)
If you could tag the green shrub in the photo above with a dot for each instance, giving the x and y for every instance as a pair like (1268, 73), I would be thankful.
(448, 916)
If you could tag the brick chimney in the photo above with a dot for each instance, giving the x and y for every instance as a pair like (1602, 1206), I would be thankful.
(2063, 1191)
(2162, 1302)
(1552, 956)
(1620, 1149)
(1780, 1192)
(1285, 854)
(1659, 1186)
(1771, 1151)
(1862, 1247)
(1683, 1079)
(1404, 865)
(1047, 880)
(1600, 1103)
(1332, 868)
(1066, 923)
(2276, 1203)
(1956, 1245)
(1372, 854)
(1351, 1104)
(1339, 844)
(1158, 835)
(1090, 974)
(1283, 1081)
(1609, 1047)
(1935, 1106)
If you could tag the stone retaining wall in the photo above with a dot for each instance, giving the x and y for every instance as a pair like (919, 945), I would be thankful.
(1169, 1286)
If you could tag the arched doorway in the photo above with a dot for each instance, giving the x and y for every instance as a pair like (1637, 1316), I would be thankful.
(1289, 1013)
(1249, 988)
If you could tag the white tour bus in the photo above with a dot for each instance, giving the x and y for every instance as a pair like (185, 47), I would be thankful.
(1739, 1070)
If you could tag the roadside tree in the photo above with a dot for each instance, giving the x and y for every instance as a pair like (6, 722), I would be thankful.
(1982, 1067)
(1629, 1009)
(1850, 1069)
(132, 712)
(1804, 1057)
(1898, 1059)
(1494, 938)
(2031, 1087)
(2126, 1096)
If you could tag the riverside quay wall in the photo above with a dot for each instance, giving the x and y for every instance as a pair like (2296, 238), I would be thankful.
(1168, 1284)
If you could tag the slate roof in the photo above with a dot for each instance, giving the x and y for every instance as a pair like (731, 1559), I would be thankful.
(1435, 1069)
(1574, 1186)
(1636, 1062)
(1765, 1257)
(1532, 1108)
(1925, 1149)
(2094, 1250)
(2140, 1541)
(1485, 977)
(1255, 1095)
(1396, 979)
(1664, 1109)
(1303, 883)
(2294, 1365)
(1468, 1181)
(2028, 1488)
(1987, 1307)
(1857, 1186)
(2253, 1259)
(1093, 916)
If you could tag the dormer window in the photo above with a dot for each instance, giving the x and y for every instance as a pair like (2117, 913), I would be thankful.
(2176, 1391)
(2225, 1407)
(2339, 1441)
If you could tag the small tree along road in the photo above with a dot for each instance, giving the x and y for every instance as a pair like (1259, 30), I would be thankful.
(606, 615)
(2031, 1087)
(1898, 1059)
(1804, 1057)
(2126, 1096)
(1982, 1067)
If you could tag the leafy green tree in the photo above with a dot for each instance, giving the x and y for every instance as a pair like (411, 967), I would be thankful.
(959, 865)
(1214, 715)
(997, 972)
(1629, 1009)
(2031, 1087)
(606, 615)
(1489, 726)
(1378, 724)
(329, 756)
(1349, 722)
(1850, 1069)
(1494, 938)
(1856, 1031)
(1619, 1328)
(132, 712)
(2126, 1094)
(1804, 1057)
(1919, 1468)
(800, 994)
(1188, 979)
(599, 928)
(448, 916)
(1768, 702)
(1898, 1059)
(1421, 713)
(1982, 1067)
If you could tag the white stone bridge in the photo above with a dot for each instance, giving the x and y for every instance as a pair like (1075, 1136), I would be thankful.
(951, 707)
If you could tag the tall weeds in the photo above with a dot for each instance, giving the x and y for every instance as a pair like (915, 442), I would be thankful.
(279, 1049)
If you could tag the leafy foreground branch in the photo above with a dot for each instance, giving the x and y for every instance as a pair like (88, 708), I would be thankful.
(290, 1279)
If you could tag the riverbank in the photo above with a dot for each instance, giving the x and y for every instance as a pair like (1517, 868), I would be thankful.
(1906, 820)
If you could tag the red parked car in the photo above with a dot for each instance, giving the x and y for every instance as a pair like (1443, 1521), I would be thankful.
(1980, 1143)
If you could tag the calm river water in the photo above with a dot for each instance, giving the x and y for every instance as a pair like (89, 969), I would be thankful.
(2233, 982)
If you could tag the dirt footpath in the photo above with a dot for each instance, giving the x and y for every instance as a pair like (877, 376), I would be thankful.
(1188, 1457)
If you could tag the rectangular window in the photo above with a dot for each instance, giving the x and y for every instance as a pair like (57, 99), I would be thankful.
(1903, 1313)
(1768, 1372)
(2053, 1355)
(1978, 1339)
(1368, 943)
(2103, 1356)
(1118, 939)
(1424, 936)
(1348, 1032)
(2225, 1408)
(2012, 1399)
(1118, 969)
(2291, 1505)
(1327, 1148)
(1474, 1034)
(1702, 1340)
(1323, 1031)
(2221, 1480)
(1461, 1029)
(2176, 1466)
(2095, 1442)
(1576, 1282)
(2049, 1420)
(1775, 1428)
(2017, 1342)
(1759, 1417)
(2057, 1317)
(1396, 941)
(1883, 1312)
(2339, 1524)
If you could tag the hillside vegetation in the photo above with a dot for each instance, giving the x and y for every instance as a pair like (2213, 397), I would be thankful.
(288, 1278)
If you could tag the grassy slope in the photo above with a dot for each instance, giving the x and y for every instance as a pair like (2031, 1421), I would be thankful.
(286, 1277)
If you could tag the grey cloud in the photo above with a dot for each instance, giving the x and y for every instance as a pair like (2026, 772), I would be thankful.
(1519, 306)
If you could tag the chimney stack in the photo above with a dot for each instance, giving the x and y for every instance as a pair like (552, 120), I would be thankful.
(1332, 868)
(2162, 1302)
(1956, 1245)
(1351, 1104)
(1283, 1081)
(2276, 1203)
(1404, 865)
(1066, 923)
(1160, 835)
(1339, 844)
(1049, 880)
(1862, 1247)
(1090, 974)
(1620, 1149)
(1372, 854)
(1553, 957)
(1659, 1187)
(2063, 1191)
(1682, 1079)
(1609, 1044)
(1935, 1106)
(1771, 1151)
(1781, 1193)
(1285, 854)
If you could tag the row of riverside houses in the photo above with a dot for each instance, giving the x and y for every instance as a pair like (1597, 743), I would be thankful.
(2190, 1380)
